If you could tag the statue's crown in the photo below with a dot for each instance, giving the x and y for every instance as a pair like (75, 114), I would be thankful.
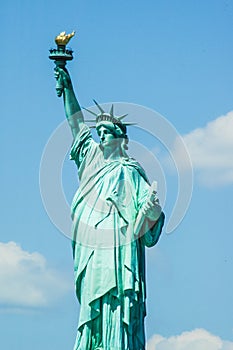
(108, 117)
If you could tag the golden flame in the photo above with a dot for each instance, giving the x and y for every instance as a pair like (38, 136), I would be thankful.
(63, 38)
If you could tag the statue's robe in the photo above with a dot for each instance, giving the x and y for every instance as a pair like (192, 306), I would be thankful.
(109, 260)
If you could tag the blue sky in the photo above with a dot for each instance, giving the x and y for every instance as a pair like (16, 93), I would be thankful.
(174, 57)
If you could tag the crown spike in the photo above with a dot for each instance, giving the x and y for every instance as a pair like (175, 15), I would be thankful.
(111, 111)
(123, 116)
(101, 109)
(88, 110)
(128, 124)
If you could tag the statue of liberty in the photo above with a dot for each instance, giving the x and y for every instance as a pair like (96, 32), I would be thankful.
(116, 214)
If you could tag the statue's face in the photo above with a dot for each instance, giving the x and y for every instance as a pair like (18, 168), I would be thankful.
(107, 138)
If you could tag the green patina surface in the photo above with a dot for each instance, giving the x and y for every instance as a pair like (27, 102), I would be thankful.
(109, 259)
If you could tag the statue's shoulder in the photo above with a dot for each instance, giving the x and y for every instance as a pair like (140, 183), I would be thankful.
(84, 147)
(135, 167)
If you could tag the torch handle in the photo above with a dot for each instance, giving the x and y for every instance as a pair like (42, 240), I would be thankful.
(59, 85)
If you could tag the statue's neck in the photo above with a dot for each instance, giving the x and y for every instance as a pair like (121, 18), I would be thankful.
(110, 154)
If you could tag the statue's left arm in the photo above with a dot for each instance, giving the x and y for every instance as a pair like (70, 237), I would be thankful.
(150, 218)
(152, 231)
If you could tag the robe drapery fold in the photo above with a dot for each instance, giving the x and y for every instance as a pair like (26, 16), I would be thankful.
(109, 261)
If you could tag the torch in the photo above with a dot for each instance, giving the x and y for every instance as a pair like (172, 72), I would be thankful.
(60, 55)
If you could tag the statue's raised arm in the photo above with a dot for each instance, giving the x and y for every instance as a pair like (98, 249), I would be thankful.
(60, 55)
(72, 108)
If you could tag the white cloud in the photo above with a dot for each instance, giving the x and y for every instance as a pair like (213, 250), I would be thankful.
(211, 150)
(25, 278)
(198, 339)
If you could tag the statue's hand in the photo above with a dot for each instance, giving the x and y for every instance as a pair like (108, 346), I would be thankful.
(63, 80)
(152, 209)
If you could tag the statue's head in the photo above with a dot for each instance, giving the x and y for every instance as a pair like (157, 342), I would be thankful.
(112, 132)
(110, 128)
